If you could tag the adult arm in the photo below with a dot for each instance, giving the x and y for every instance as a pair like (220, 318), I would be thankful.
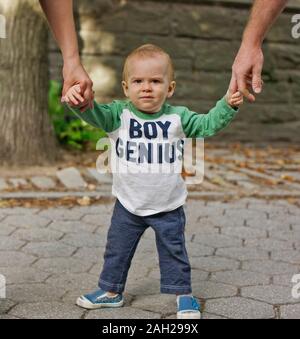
(249, 61)
(59, 14)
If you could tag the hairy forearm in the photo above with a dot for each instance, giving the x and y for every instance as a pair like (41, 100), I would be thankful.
(264, 13)
(61, 20)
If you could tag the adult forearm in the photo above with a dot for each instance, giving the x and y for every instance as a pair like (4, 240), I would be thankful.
(61, 20)
(263, 15)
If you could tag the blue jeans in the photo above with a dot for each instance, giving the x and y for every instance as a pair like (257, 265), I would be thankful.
(123, 237)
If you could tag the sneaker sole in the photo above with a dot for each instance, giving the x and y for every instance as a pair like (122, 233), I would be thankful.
(85, 303)
(189, 315)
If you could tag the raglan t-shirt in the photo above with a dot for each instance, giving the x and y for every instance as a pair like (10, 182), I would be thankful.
(147, 150)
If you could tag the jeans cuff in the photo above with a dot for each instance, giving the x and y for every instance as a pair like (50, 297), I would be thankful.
(169, 289)
(109, 287)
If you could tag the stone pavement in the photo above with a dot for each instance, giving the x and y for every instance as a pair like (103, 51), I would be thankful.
(243, 252)
(229, 169)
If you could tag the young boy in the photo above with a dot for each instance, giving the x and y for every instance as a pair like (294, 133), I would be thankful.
(143, 128)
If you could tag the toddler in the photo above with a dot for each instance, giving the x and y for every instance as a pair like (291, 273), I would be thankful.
(145, 130)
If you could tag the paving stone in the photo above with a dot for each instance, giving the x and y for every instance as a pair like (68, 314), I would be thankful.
(290, 312)
(37, 234)
(243, 214)
(296, 227)
(268, 225)
(5, 305)
(122, 313)
(91, 254)
(284, 279)
(6, 229)
(285, 218)
(217, 240)
(208, 316)
(244, 232)
(158, 303)
(268, 267)
(30, 293)
(80, 282)
(271, 294)
(142, 286)
(240, 308)
(269, 244)
(241, 278)
(100, 177)
(3, 185)
(242, 253)
(8, 243)
(97, 219)
(141, 270)
(7, 317)
(19, 211)
(26, 221)
(209, 289)
(49, 249)
(198, 250)
(214, 264)
(146, 245)
(97, 268)
(47, 310)
(18, 182)
(197, 210)
(72, 226)
(23, 275)
(197, 228)
(145, 256)
(292, 257)
(43, 182)
(103, 208)
(84, 239)
(71, 178)
(63, 214)
(11, 258)
(285, 235)
(220, 221)
(260, 205)
(62, 265)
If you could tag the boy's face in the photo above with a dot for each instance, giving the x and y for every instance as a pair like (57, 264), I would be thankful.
(148, 83)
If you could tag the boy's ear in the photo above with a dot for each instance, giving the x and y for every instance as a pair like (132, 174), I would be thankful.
(125, 88)
(171, 89)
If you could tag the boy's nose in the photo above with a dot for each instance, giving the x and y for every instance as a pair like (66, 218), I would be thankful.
(146, 87)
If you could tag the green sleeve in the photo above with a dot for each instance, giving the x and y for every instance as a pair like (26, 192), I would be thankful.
(104, 116)
(206, 125)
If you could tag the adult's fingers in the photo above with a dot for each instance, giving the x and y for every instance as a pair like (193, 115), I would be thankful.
(233, 86)
(242, 87)
(256, 79)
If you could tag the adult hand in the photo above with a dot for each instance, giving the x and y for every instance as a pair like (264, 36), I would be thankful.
(75, 74)
(246, 71)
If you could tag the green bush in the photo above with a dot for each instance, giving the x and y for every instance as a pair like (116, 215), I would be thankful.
(70, 130)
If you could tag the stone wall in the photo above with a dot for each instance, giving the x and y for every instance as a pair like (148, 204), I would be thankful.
(203, 38)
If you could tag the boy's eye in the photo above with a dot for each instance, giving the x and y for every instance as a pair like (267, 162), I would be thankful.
(137, 81)
(156, 81)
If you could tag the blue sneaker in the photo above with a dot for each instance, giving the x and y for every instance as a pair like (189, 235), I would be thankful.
(188, 308)
(99, 299)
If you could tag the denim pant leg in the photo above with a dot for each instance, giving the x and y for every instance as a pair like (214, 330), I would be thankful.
(123, 237)
(174, 264)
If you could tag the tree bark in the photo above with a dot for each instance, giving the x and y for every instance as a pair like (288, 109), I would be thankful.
(26, 133)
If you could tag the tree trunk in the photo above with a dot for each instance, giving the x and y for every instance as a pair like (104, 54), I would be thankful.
(26, 133)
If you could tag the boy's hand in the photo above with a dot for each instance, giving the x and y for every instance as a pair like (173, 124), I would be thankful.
(73, 97)
(234, 100)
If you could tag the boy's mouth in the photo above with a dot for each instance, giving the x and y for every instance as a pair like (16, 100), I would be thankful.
(146, 97)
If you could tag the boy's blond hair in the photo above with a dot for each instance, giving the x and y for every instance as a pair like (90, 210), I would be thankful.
(149, 50)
